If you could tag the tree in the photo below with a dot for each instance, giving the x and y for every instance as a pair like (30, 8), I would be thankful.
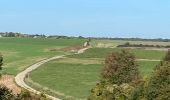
(165, 59)
(167, 56)
(120, 68)
(159, 85)
(118, 76)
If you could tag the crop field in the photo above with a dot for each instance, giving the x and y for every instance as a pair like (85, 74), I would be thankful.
(73, 77)
(18, 53)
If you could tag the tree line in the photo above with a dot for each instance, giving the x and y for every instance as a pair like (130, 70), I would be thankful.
(127, 44)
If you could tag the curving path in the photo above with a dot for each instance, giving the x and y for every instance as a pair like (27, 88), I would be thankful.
(20, 78)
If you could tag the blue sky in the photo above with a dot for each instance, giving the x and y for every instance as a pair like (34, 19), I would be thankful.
(102, 18)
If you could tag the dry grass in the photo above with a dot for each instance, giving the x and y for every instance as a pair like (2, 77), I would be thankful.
(8, 81)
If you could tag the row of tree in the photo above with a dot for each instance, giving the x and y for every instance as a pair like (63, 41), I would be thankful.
(120, 80)
(127, 44)
(132, 39)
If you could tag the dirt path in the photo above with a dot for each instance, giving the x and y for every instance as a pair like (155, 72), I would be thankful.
(20, 78)
(147, 60)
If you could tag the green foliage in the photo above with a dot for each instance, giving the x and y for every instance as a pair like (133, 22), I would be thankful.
(107, 91)
(165, 59)
(167, 56)
(6, 94)
(159, 85)
(24, 95)
(118, 74)
(120, 68)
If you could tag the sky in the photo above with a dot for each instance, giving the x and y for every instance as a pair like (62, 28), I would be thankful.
(98, 18)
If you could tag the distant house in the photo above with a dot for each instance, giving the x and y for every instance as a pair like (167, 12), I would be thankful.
(0, 36)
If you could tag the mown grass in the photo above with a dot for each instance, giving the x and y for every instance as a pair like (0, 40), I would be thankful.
(71, 79)
(18, 53)
(103, 52)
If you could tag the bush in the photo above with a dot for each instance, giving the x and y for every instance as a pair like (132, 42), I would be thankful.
(159, 85)
(165, 59)
(119, 72)
(120, 68)
(107, 91)
(6, 94)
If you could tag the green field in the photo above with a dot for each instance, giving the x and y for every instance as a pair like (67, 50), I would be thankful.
(18, 53)
(103, 52)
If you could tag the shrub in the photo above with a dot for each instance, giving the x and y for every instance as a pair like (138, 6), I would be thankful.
(6, 94)
(165, 59)
(107, 91)
(159, 85)
(119, 71)
(120, 68)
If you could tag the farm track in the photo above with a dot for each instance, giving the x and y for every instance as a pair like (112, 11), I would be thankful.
(147, 60)
(20, 78)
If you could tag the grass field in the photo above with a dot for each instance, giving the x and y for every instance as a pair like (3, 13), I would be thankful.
(18, 53)
(103, 52)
